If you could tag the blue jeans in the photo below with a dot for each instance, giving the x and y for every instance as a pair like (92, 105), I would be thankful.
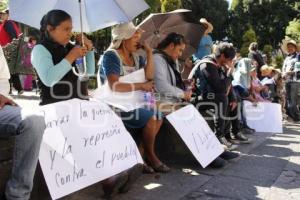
(28, 130)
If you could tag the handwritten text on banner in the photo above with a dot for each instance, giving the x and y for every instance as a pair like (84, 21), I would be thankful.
(196, 134)
(84, 142)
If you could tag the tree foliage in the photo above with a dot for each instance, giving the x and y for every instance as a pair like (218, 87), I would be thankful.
(293, 30)
(248, 38)
(215, 11)
(170, 5)
(269, 19)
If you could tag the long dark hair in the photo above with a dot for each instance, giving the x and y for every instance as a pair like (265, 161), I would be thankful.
(174, 38)
(53, 18)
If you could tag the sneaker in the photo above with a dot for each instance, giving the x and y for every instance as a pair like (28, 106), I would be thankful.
(228, 155)
(248, 131)
(242, 138)
(218, 163)
(229, 145)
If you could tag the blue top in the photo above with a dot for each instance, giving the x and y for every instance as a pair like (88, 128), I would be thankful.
(51, 74)
(111, 64)
(204, 48)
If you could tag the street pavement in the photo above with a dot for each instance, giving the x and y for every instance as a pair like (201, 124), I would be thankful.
(269, 168)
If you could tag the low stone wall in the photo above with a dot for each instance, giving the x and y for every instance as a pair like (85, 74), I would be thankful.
(169, 147)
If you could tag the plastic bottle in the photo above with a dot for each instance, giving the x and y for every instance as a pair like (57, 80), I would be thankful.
(79, 63)
(149, 99)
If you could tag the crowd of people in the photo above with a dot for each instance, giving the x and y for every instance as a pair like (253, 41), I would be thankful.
(218, 83)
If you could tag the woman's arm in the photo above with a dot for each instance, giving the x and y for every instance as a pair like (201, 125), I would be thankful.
(117, 86)
(90, 62)
(49, 73)
(111, 67)
(149, 69)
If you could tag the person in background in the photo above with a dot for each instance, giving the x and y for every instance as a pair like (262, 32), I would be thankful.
(256, 56)
(26, 62)
(289, 72)
(9, 30)
(54, 57)
(258, 91)
(28, 129)
(4, 75)
(242, 87)
(206, 43)
(271, 80)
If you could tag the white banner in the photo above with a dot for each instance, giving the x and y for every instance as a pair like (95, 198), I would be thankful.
(126, 101)
(84, 142)
(196, 134)
(263, 117)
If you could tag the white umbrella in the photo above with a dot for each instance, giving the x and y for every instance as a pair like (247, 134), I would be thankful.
(87, 15)
(96, 14)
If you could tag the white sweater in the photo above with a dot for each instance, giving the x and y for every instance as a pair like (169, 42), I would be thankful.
(4, 71)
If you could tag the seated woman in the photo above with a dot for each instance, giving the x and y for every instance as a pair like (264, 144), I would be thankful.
(258, 91)
(121, 59)
(167, 78)
(242, 80)
(54, 57)
(53, 60)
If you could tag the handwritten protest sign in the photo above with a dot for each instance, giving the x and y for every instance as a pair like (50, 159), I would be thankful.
(84, 142)
(125, 101)
(196, 134)
(264, 117)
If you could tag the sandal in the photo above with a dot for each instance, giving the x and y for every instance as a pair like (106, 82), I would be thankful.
(148, 170)
(162, 168)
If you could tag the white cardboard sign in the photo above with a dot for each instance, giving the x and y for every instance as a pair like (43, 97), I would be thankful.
(84, 142)
(196, 134)
(125, 101)
(264, 117)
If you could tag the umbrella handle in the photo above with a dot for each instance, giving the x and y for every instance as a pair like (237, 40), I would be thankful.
(84, 69)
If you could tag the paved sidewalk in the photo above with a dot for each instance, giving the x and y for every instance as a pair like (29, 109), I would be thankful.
(267, 169)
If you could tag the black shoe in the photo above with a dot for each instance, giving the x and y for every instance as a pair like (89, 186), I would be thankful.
(218, 163)
(242, 138)
(228, 144)
(248, 131)
(2, 196)
(227, 155)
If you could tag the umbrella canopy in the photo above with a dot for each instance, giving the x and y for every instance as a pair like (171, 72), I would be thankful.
(158, 26)
(96, 14)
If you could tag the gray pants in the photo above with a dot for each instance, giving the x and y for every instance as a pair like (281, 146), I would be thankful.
(28, 130)
(292, 89)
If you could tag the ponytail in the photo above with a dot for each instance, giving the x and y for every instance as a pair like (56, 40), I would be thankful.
(53, 18)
